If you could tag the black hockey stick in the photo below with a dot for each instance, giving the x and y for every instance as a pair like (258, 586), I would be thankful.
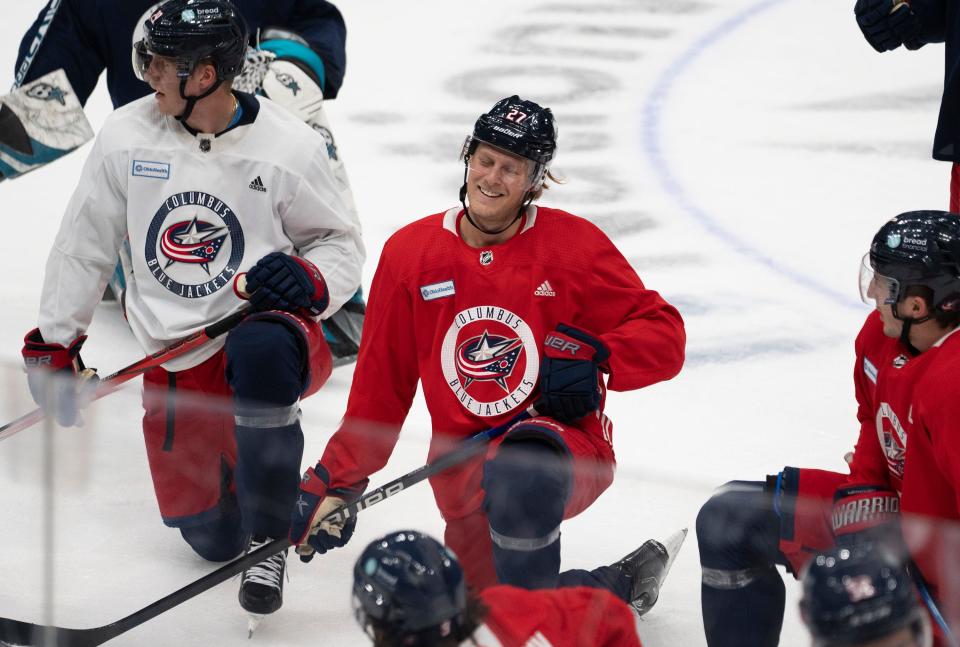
(112, 382)
(17, 632)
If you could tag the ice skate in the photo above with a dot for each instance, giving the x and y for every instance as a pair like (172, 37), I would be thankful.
(647, 567)
(261, 585)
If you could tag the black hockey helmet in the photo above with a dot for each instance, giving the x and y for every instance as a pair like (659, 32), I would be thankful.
(917, 248)
(191, 31)
(409, 584)
(860, 593)
(520, 127)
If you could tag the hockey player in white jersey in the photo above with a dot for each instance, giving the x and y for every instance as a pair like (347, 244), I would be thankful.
(210, 185)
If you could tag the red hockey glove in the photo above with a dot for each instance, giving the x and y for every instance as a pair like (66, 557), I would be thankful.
(58, 380)
(866, 513)
(290, 283)
(314, 501)
(569, 373)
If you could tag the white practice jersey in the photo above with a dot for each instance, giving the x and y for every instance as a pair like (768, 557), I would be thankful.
(198, 210)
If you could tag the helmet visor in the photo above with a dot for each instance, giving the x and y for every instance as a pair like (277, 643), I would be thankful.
(875, 288)
(140, 57)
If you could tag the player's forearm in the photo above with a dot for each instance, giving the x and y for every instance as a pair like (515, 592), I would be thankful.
(357, 450)
(647, 349)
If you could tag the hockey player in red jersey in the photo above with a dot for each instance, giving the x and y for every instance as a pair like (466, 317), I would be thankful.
(906, 362)
(203, 181)
(492, 306)
(409, 591)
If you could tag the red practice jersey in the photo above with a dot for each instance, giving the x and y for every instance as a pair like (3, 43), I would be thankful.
(566, 617)
(469, 324)
(879, 455)
(919, 404)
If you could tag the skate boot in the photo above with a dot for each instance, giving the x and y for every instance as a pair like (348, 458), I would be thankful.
(261, 585)
(646, 567)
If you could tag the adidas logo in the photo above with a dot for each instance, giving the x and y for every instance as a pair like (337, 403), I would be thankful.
(257, 185)
(545, 290)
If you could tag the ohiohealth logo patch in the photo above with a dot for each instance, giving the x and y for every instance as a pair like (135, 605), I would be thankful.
(194, 244)
(490, 360)
(158, 170)
(437, 290)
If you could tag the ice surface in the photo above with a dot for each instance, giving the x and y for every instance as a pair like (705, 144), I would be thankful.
(741, 154)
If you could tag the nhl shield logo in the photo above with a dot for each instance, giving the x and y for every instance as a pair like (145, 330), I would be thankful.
(194, 244)
(490, 360)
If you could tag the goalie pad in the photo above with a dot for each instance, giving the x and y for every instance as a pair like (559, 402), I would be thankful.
(40, 122)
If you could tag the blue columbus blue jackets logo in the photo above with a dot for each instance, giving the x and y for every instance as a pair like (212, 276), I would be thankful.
(488, 357)
(194, 244)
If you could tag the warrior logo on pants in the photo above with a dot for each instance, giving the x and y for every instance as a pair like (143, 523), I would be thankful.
(490, 360)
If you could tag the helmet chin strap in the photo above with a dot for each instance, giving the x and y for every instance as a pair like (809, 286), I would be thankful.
(905, 329)
(192, 101)
(527, 199)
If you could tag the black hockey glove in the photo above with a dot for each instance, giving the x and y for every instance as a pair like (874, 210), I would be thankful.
(885, 28)
(290, 283)
(58, 380)
(569, 373)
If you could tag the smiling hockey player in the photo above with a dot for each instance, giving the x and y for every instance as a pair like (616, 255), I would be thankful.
(494, 305)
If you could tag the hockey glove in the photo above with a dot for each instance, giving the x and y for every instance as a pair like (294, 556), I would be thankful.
(569, 373)
(863, 513)
(290, 283)
(58, 380)
(307, 530)
(886, 24)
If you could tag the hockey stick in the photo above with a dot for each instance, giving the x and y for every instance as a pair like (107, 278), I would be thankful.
(111, 383)
(930, 602)
(17, 632)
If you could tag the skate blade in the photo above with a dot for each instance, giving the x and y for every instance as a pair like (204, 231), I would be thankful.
(253, 621)
(672, 545)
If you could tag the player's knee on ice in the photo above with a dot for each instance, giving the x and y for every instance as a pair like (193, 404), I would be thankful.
(218, 540)
(526, 487)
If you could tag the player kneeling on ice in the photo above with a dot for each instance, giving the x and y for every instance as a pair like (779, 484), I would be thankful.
(409, 590)
(907, 358)
(862, 596)
(494, 305)
(209, 185)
